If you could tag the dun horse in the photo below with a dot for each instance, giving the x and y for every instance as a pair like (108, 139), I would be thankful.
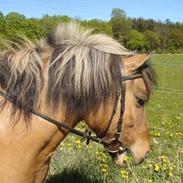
(70, 76)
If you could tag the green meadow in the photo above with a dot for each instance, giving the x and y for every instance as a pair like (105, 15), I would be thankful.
(75, 162)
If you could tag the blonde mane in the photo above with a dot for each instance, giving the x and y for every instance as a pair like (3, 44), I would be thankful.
(21, 75)
(84, 69)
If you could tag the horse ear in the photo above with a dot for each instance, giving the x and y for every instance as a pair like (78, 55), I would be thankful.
(134, 62)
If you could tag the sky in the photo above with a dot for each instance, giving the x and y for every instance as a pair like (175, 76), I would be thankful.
(100, 9)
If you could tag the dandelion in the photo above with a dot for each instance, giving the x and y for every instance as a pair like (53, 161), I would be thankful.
(126, 158)
(122, 171)
(157, 134)
(104, 170)
(156, 168)
(124, 174)
(77, 141)
(149, 166)
(149, 181)
(68, 145)
(170, 174)
(106, 166)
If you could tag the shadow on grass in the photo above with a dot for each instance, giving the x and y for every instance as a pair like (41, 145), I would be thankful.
(73, 176)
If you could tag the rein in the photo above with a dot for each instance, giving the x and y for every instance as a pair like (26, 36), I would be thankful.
(60, 124)
(121, 92)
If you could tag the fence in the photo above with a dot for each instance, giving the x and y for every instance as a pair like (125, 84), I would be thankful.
(168, 95)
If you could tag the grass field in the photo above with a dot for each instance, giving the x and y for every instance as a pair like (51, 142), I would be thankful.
(75, 162)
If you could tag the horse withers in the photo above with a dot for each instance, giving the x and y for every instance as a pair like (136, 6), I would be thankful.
(71, 75)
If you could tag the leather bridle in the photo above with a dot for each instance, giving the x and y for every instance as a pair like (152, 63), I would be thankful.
(115, 141)
(121, 93)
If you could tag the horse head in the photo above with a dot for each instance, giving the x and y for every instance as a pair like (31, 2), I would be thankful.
(140, 79)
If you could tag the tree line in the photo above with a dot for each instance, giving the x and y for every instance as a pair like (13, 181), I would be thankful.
(134, 33)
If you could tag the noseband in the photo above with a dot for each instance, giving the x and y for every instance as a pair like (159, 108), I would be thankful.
(107, 143)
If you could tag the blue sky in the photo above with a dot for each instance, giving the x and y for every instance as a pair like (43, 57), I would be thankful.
(100, 9)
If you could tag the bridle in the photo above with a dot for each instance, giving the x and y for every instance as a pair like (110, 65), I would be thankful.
(120, 94)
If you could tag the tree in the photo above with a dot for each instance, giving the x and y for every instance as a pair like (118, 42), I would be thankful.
(137, 41)
(14, 24)
(47, 23)
(118, 13)
(121, 25)
(175, 41)
(32, 29)
(99, 26)
(2, 23)
(177, 38)
(152, 39)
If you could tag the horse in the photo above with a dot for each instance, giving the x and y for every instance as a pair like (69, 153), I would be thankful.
(72, 75)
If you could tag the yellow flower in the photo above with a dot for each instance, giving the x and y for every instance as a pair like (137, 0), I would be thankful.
(125, 176)
(164, 160)
(171, 168)
(122, 171)
(126, 158)
(170, 174)
(158, 134)
(149, 181)
(106, 166)
(156, 167)
(104, 170)
(68, 145)
(77, 141)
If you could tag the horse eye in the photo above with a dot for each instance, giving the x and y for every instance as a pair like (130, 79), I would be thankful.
(141, 101)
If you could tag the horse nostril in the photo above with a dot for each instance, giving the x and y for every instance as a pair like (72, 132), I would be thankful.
(147, 154)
